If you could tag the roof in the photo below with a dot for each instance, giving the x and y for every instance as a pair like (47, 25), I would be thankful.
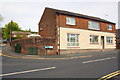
(79, 15)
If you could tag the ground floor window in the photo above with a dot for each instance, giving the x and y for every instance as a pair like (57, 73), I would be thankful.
(93, 39)
(72, 40)
(109, 40)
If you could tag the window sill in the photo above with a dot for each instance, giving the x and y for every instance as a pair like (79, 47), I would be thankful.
(73, 47)
(70, 25)
(94, 43)
(109, 44)
(94, 29)
(109, 30)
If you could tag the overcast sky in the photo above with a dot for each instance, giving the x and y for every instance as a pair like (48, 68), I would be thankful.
(27, 13)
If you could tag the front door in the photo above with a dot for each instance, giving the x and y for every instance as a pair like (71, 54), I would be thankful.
(18, 48)
(102, 42)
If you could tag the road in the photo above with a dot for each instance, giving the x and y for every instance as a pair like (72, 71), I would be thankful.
(91, 67)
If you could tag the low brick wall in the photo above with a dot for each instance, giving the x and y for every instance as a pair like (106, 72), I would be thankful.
(74, 51)
(38, 42)
(118, 44)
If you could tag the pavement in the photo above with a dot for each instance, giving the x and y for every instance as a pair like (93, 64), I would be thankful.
(7, 51)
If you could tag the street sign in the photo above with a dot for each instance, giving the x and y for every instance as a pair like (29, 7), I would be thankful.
(48, 46)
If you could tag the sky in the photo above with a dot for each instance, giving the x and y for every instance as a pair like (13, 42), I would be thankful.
(27, 13)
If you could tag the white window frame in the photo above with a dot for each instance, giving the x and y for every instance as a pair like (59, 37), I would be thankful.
(70, 20)
(72, 40)
(109, 27)
(94, 25)
(109, 40)
(92, 37)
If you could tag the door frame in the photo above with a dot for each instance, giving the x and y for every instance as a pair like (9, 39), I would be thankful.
(103, 42)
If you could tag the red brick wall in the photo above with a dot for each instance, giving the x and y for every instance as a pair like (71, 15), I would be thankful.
(38, 42)
(104, 27)
(47, 23)
(83, 24)
(118, 44)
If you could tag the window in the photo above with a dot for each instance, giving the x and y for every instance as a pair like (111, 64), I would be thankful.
(109, 40)
(15, 35)
(41, 28)
(93, 39)
(70, 21)
(93, 25)
(72, 40)
(109, 27)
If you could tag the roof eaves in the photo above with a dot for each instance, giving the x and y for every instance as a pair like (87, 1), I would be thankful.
(83, 16)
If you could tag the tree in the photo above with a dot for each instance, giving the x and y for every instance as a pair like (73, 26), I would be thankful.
(1, 29)
(15, 27)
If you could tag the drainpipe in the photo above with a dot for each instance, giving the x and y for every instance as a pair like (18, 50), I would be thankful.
(59, 33)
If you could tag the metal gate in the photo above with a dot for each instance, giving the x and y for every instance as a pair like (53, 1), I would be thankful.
(33, 51)
(17, 48)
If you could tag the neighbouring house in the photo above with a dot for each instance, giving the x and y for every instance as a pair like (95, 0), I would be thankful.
(33, 35)
(118, 38)
(20, 34)
(75, 32)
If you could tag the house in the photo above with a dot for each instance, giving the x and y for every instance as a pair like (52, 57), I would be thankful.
(20, 34)
(118, 38)
(74, 32)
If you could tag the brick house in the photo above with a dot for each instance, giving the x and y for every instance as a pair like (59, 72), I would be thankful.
(75, 32)
(118, 38)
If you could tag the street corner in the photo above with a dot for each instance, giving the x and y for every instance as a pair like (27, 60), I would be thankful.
(10, 56)
(39, 57)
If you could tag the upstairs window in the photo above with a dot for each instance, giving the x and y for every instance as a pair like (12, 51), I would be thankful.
(93, 25)
(109, 27)
(70, 21)
(40, 28)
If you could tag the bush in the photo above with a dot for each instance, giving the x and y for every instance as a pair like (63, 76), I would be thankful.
(13, 38)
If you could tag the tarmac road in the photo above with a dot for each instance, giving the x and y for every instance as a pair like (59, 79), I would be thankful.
(89, 67)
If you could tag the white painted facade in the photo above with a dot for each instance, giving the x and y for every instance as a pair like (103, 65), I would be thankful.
(84, 39)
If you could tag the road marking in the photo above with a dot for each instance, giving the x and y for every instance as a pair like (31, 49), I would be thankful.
(110, 75)
(8, 74)
(98, 60)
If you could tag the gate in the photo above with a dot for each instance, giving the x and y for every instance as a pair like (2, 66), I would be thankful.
(33, 51)
(18, 48)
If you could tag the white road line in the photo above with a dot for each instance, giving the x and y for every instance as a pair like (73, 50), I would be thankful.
(98, 60)
(27, 71)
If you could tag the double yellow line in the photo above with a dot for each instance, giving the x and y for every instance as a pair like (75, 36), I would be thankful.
(110, 75)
